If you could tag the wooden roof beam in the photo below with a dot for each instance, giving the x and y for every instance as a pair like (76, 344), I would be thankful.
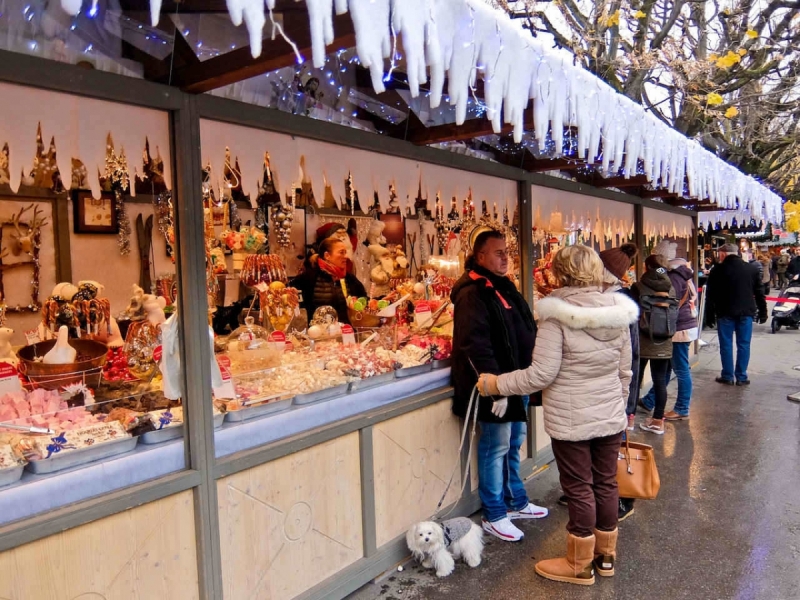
(238, 65)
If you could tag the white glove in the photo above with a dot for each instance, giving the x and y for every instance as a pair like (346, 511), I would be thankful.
(499, 407)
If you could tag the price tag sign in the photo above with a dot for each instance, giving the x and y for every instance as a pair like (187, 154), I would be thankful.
(422, 314)
(9, 379)
(277, 340)
(32, 337)
(226, 390)
(348, 335)
(158, 353)
(224, 363)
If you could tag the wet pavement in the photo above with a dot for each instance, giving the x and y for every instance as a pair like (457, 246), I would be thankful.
(726, 524)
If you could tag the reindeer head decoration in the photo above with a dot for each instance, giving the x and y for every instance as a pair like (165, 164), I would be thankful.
(23, 242)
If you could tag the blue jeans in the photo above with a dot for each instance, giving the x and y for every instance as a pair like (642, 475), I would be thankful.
(500, 487)
(680, 366)
(743, 328)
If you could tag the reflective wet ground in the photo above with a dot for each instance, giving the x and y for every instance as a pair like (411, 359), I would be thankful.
(726, 524)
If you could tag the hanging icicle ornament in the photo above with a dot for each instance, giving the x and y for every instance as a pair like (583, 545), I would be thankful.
(116, 176)
(165, 215)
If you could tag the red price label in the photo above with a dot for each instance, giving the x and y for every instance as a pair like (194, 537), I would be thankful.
(158, 353)
(422, 307)
(277, 336)
(346, 329)
(7, 370)
(224, 363)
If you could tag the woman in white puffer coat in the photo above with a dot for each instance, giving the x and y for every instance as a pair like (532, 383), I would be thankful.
(582, 362)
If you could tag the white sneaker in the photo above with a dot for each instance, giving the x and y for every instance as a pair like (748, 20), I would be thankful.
(503, 529)
(529, 512)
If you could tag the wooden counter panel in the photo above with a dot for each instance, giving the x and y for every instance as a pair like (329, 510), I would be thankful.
(414, 455)
(289, 524)
(144, 553)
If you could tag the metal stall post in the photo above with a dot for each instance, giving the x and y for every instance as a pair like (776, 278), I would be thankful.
(196, 346)
(640, 238)
(525, 241)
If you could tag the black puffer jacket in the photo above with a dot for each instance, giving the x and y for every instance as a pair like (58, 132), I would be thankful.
(494, 329)
(319, 289)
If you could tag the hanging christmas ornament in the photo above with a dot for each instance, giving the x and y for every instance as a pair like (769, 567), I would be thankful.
(282, 217)
(117, 178)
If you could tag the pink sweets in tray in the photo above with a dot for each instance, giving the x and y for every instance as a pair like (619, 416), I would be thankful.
(43, 408)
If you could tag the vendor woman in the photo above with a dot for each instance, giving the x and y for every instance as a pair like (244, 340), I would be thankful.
(321, 283)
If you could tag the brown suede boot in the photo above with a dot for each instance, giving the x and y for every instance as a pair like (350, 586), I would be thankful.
(605, 552)
(576, 567)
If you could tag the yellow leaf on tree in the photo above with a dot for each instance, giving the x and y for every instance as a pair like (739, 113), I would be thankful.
(714, 99)
(731, 112)
(751, 33)
(730, 59)
(714, 57)
(742, 51)
(613, 19)
(792, 212)
(639, 15)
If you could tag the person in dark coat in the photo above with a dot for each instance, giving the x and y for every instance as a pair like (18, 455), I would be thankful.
(494, 331)
(736, 295)
(793, 270)
(320, 283)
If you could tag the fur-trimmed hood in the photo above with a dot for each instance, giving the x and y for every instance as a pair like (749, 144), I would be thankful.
(602, 316)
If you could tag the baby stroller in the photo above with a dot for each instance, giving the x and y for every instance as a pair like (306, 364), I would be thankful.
(787, 314)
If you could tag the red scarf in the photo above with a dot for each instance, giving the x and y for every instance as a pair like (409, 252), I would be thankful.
(332, 270)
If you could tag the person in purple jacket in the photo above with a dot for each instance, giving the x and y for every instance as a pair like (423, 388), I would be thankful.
(682, 277)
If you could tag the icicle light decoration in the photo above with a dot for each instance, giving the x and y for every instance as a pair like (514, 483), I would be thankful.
(464, 38)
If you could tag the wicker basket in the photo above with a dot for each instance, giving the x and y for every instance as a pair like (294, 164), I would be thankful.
(53, 377)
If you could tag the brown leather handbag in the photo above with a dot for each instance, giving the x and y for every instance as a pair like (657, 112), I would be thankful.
(637, 474)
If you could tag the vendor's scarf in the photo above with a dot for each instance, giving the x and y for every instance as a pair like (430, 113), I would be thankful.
(332, 270)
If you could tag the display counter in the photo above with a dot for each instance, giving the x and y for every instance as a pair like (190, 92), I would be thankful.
(38, 493)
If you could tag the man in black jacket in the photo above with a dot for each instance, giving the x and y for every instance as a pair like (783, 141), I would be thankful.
(793, 270)
(736, 295)
(494, 331)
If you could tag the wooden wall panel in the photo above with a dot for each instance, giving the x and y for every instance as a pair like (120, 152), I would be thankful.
(145, 553)
(414, 455)
(289, 524)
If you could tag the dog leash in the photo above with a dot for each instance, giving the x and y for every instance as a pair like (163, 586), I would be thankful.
(473, 415)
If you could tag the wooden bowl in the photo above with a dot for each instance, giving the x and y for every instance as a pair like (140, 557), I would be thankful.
(362, 318)
(53, 377)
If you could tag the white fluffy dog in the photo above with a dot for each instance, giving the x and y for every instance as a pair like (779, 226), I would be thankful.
(439, 546)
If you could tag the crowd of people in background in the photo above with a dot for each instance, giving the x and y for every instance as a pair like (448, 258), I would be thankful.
(587, 354)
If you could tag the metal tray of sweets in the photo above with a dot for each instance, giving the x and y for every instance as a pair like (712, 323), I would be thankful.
(320, 395)
(75, 458)
(176, 431)
(371, 382)
(10, 475)
(442, 364)
(411, 371)
(259, 410)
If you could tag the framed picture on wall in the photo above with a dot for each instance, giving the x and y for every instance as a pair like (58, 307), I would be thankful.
(92, 215)
(395, 230)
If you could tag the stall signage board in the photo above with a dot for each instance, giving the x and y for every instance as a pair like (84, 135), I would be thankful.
(348, 335)
(9, 379)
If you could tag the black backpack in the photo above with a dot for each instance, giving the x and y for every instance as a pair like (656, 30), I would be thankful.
(659, 316)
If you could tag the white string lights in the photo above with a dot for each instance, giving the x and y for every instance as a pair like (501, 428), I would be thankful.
(464, 37)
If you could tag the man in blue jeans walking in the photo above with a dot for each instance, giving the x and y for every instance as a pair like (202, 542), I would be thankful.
(736, 295)
(494, 331)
